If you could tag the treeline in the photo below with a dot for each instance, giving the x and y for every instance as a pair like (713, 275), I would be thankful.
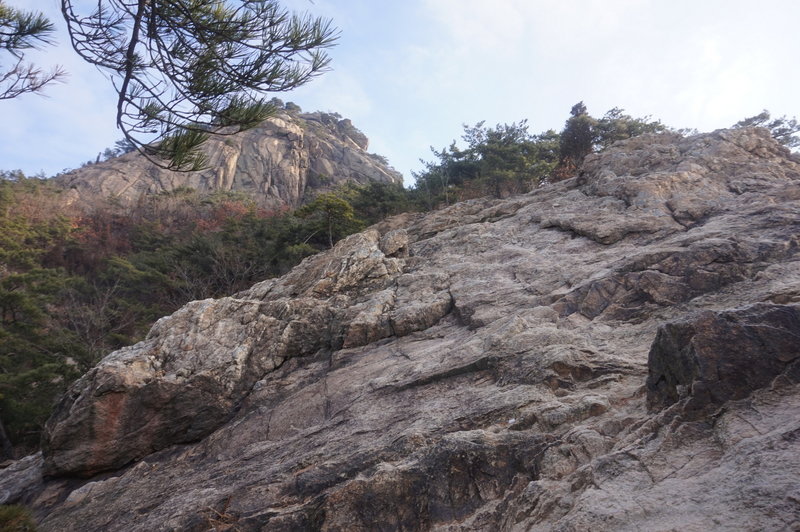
(508, 159)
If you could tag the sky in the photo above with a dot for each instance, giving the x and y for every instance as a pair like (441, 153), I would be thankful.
(411, 73)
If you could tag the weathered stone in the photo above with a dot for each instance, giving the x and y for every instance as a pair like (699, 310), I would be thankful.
(21, 479)
(719, 356)
(488, 373)
(194, 368)
(394, 243)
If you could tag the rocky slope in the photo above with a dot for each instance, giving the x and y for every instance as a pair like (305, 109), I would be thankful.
(275, 162)
(620, 351)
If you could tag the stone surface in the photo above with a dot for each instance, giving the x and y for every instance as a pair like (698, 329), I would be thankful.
(719, 356)
(481, 367)
(275, 162)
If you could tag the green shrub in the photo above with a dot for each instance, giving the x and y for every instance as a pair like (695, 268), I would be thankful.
(15, 518)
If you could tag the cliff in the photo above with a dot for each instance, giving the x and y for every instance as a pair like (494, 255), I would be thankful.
(275, 162)
(618, 351)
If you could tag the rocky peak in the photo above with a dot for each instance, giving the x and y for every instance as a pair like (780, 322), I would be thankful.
(343, 127)
(276, 162)
(613, 352)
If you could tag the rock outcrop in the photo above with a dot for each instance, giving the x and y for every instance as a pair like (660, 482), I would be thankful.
(716, 357)
(275, 162)
(614, 352)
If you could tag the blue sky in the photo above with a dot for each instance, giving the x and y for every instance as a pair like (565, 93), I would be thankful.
(410, 73)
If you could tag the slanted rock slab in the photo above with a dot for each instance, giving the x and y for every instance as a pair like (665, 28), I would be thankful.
(613, 352)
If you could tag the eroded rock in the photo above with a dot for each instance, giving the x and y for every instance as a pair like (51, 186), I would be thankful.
(481, 367)
(194, 368)
(719, 356)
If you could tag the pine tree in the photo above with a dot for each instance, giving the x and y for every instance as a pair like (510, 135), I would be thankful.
(187, 69)
(577, 139)
(332, 216)
(21, 31)
(785, 130)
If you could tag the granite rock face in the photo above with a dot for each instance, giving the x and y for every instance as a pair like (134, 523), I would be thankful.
(613, 352)
(721, 356)
(275, 162)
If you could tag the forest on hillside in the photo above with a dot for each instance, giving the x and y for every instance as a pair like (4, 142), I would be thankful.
(78, 284)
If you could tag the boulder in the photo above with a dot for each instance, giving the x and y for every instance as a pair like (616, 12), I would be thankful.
(196, 366)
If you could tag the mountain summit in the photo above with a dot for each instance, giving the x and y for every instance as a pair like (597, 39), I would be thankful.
(275, 162)
(618, 351)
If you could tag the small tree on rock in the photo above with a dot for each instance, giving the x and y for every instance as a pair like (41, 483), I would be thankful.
(330, 215)
(784, 130)
(584, 134)
(616, 125)
(577, 140)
